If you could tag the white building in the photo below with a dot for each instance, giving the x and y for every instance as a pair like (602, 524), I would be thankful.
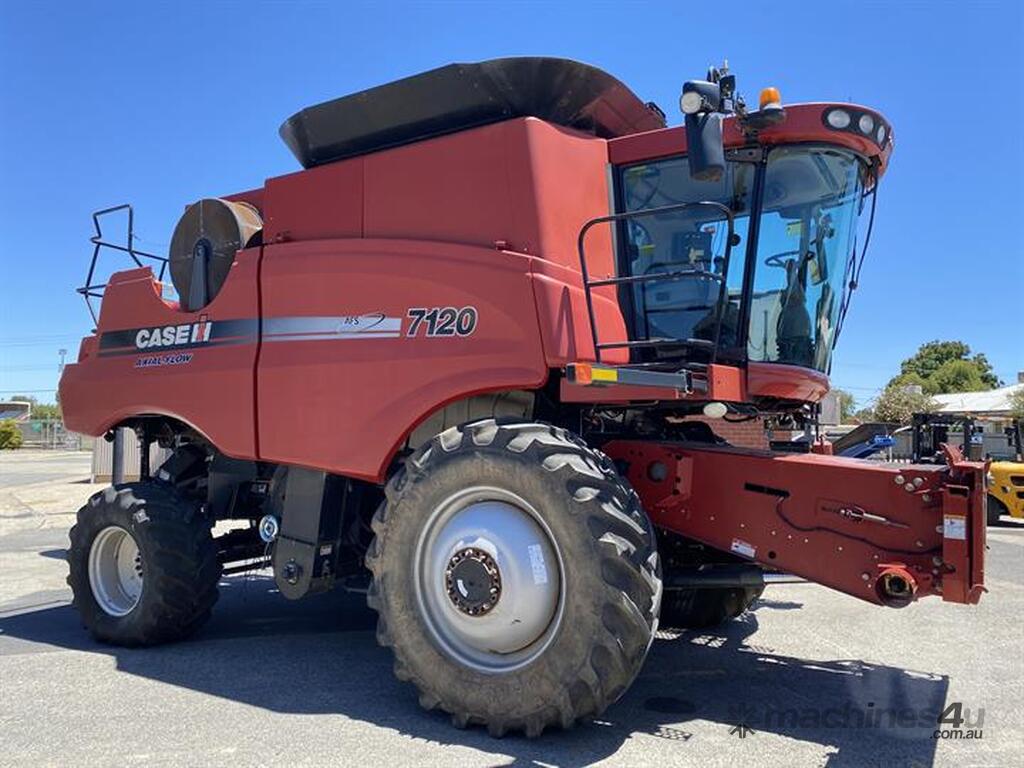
(992, 407)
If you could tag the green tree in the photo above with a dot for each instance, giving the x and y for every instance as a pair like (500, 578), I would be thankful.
(955, 376)
(10, 435)
(908, 380)
(898, 403)
(865, 415)
(50, 411)
(935, 356)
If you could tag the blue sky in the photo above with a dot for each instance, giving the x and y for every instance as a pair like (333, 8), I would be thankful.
(159, 105)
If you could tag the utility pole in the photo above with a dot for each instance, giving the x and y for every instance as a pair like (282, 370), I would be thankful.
(60, 372)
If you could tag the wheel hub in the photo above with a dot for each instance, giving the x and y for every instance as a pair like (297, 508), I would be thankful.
(488, 579)
(116, 571)
(473, 581)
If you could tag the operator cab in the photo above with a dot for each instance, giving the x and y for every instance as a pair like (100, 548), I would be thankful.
(747, 254)
(812, 196)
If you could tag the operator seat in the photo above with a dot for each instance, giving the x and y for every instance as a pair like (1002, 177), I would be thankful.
(793, 330)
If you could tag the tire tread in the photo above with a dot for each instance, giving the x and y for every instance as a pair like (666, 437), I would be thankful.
(625, 543)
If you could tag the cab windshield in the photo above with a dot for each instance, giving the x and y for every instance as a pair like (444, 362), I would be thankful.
(812, 196)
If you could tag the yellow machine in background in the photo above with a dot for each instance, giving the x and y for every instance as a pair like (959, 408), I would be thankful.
(1005, 490)
(1006, 480)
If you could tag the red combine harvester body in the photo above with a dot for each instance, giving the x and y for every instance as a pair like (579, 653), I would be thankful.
(466, 264)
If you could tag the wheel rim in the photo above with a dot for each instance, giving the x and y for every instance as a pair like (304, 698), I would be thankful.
(115, 571)
(489, 579)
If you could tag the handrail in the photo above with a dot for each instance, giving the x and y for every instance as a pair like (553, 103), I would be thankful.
(677, 275)
(95, 290)
(588, 284)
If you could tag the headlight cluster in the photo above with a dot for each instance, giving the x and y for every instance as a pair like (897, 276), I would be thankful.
(854, 121)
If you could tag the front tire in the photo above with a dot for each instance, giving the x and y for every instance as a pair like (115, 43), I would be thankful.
(517, 581)
(143, 565)
(705, 608)
(699, 608)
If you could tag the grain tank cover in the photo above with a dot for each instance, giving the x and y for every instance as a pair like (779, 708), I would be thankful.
(460, 96)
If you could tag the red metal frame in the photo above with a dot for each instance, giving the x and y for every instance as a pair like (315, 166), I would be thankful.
(844, 523)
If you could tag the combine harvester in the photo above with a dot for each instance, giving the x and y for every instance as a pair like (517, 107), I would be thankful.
(454, 363)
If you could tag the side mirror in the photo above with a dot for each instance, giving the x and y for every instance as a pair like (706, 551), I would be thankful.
(704, 148)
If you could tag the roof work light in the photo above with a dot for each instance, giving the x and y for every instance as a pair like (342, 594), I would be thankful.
(856, 120)
(770, 98)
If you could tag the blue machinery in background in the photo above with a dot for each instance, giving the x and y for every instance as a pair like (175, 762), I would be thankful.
(869, 447)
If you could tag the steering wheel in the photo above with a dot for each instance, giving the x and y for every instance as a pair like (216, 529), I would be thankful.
(779, 259)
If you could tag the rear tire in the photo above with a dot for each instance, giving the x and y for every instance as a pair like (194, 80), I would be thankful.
(143, 565)
(522, 488)
(705, 608)
(994, 510)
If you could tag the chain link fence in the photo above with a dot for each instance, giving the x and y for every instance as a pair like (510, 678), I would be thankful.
(50, 434)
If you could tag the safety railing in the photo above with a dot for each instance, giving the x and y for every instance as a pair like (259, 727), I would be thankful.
(709, 346)
(91, 290)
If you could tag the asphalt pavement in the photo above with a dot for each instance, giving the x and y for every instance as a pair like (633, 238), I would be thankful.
(808, 677)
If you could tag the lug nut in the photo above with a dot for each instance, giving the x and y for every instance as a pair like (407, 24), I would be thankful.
(291, 572)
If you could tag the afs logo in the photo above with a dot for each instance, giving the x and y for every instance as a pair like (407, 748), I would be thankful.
(173, 335)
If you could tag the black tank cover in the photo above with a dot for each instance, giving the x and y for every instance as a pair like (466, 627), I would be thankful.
(461, 96)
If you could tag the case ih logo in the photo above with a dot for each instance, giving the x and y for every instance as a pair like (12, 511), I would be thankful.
(173, 335)
(167, 338)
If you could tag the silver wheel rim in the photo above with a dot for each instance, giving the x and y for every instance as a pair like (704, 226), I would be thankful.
(513, 608)
(115, 571)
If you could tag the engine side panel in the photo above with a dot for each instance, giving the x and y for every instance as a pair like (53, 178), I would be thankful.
(351, 360)
(148, 357)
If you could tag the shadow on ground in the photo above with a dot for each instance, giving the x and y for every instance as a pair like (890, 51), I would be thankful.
(319, 656)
